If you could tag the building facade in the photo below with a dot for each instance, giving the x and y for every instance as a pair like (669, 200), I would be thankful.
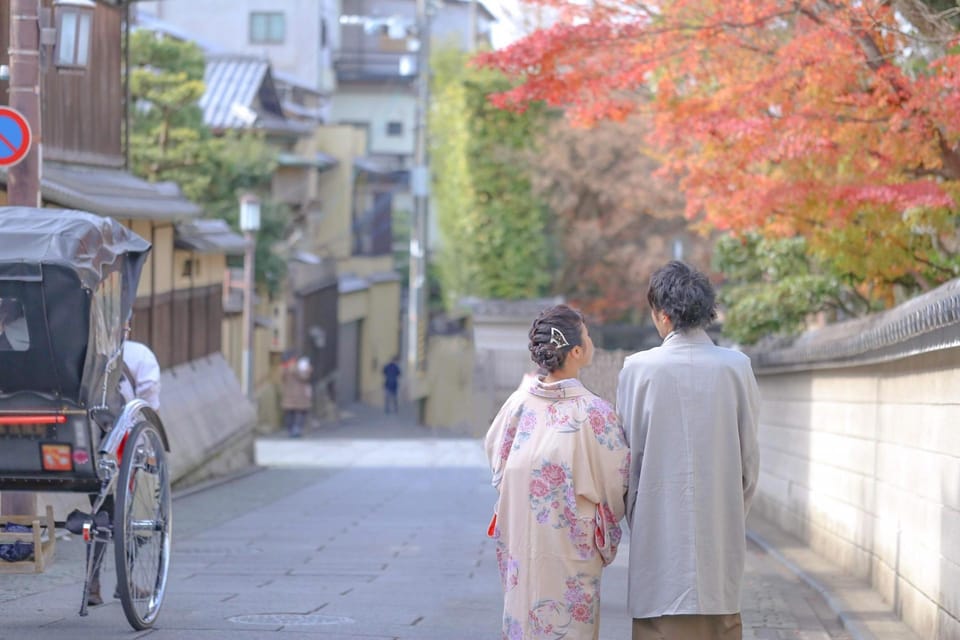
(295, 35)
(83, 125)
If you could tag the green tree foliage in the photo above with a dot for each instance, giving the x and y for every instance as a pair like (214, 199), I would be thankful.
(170, 142)
(773, 286)
(494, 229)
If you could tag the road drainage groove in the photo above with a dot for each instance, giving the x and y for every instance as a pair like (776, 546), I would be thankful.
(290, 619)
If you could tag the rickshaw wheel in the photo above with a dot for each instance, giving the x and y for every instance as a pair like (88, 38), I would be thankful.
(142, 521)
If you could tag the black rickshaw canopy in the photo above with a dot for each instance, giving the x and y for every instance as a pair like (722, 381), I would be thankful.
(70, 278)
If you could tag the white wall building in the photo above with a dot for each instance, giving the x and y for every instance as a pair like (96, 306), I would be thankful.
(297, 36)
(376, 60)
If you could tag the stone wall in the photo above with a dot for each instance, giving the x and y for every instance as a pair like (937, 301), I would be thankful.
(449, 396)
(209, 422)
(860, 452)
(863, 464)
(601, 376)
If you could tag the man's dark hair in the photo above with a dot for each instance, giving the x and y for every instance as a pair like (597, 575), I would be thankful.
(684, 294)
(555, 331)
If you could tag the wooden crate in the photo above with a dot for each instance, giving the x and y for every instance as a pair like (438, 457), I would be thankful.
(43, 537)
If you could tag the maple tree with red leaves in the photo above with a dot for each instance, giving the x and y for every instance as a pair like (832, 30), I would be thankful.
(834, 120)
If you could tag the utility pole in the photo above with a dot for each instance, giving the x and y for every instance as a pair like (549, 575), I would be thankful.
(473, 26)
(250, 225)
(420, 185)
(23, 178)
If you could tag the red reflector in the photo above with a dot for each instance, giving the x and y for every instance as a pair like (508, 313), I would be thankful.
(33, 419)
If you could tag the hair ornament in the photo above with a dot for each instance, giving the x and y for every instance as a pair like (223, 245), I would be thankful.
(557, 338)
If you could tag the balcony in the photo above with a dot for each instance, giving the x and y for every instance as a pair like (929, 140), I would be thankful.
(360, 65)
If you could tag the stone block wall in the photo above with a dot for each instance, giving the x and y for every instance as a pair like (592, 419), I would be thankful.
(601, 376)
(209, 422)
(863, 464)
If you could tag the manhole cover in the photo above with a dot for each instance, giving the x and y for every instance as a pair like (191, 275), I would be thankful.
(292, 619)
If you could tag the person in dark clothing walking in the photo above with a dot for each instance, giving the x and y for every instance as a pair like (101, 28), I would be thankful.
(391, 381)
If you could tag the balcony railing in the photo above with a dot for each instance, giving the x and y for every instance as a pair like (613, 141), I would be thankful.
(375, 66)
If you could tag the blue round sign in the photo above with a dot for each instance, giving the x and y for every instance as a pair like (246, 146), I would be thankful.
(14, 136)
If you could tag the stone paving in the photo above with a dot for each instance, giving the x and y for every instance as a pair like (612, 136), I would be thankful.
(381, 537)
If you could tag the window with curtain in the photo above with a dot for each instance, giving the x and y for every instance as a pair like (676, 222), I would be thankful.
(267, 28)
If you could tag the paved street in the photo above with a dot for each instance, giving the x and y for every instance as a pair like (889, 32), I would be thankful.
(384, 539)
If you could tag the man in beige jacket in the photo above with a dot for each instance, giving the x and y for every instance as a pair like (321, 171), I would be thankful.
(689, 409)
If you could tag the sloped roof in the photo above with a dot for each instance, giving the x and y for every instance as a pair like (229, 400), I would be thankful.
(320, 161)
(112, 192)
(209, 236)
(232, 85)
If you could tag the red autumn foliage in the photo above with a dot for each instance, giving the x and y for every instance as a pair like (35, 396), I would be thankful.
(784, 116)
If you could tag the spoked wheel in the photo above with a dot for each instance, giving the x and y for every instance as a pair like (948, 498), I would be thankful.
(141, 530)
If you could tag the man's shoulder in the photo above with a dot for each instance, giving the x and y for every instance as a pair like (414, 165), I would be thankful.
(643, 358)
(137, 352)
(133, 347)
(732, 356)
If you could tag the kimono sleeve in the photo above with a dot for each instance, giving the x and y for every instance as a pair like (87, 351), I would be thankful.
(499, 439)
(606, 457)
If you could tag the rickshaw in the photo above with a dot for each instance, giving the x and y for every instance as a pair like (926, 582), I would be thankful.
(68, 281)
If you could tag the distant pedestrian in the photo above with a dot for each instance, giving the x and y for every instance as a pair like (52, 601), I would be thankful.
(690, 412)
(391, 383)
(559, 460)
(296, 398)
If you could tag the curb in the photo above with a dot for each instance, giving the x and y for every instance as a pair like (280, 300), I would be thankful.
(849, 621)
(216, 482)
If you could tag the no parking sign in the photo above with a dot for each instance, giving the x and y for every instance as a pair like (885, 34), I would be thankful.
(14, 137)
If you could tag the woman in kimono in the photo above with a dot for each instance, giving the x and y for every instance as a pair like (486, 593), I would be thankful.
(560, 460)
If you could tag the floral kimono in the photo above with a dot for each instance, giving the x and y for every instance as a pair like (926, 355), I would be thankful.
(560, 460)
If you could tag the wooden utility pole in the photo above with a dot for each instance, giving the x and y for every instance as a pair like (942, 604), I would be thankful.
(417, 317)
(23, 179)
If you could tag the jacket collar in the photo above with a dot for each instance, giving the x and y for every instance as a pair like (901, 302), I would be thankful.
(569, 388)
(692, 336)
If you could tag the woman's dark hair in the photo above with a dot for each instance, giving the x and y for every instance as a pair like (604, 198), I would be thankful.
(684, 294)
(555, 331)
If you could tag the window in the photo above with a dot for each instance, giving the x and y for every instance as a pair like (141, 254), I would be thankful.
(73, 43)
(191, 268)
(394, 128)
(13, 326)
(267, 28)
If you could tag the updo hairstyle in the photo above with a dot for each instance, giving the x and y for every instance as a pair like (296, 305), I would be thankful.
(684, 294)
(546, 354)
